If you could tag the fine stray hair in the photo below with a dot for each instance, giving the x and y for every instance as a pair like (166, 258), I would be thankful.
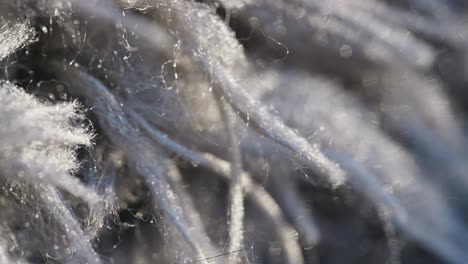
(243, 131)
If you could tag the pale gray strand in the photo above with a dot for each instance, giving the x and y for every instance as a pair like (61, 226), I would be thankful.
(14, 35)
(236, 209)
(49, 152)
(79, 245)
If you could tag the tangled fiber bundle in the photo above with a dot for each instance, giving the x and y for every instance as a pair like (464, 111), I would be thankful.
(233, 131)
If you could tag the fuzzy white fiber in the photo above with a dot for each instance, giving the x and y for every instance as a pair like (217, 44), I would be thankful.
(243, 131)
